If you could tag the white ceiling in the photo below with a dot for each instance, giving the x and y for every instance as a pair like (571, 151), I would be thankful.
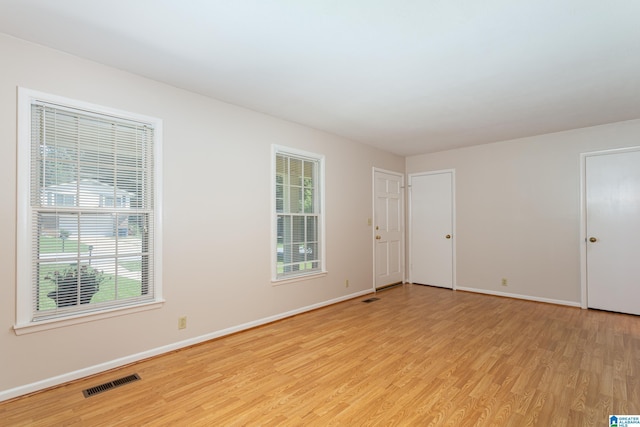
(407, 76)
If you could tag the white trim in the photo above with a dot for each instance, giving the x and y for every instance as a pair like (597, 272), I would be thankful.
(29, 96)
(320, 158)
(45, 325)
(24, 236)
(26, 97)
(95, 369)
(453, 221)
(584, 294)
(519, 296)
(583, 233)
(402, 219)
(299, 278)
(158, 209)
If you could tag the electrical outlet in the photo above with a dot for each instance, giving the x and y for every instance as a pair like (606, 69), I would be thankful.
(182, 322)
(346, 283)
(504, 281)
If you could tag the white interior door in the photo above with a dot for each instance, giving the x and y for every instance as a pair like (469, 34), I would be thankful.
(612, 193)
(431, 229)
(388, 228)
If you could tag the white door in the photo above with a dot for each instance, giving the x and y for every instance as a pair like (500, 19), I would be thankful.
(431, 229)
(388, 229)
(612, 184)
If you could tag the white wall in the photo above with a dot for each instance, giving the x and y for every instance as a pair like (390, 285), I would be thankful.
(518, 209)
(216, 219)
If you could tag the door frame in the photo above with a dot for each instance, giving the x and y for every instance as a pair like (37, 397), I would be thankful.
(453, 221)
(403, 259)
(584, 297)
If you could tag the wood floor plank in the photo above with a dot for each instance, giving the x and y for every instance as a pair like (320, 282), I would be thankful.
(417, 356)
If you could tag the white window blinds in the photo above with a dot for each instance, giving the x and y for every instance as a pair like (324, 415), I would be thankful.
(92, 211)
(298, 214)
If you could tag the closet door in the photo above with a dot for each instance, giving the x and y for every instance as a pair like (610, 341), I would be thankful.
(431, 229)
(612, 196)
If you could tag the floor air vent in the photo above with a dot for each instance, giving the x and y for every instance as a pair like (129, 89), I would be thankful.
(111, 384)
(368, 300)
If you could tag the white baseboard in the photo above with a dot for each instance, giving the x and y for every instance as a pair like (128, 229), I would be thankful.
(519, 296)
(96, 369)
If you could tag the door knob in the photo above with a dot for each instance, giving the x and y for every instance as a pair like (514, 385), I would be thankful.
(448, 236)
(593, 239)
(378, 237)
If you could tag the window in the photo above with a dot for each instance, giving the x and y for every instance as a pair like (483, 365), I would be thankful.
(298, 219)
(65, 200)
(89, 232)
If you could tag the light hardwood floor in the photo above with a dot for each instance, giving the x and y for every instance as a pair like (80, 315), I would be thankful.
(419, 356)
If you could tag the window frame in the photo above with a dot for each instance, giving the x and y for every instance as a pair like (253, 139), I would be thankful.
(25, 248)
(320, 199)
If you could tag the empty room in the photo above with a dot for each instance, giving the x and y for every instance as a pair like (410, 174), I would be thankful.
(319, 213)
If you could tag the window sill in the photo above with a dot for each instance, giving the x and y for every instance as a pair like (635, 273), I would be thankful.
(45, 325)
(299, 278)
